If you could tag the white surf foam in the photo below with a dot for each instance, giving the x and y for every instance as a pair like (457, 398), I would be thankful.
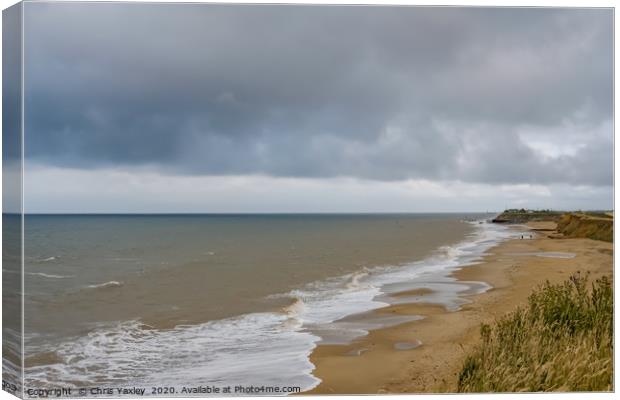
(254, 349)
(50, 276)
(109, 284)
(295, 308)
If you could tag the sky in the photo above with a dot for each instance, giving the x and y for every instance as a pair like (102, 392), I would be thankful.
(246, 108)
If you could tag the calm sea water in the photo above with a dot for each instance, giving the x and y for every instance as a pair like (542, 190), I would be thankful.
(224, 299)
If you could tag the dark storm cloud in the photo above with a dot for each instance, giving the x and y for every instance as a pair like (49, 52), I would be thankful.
(372, 92)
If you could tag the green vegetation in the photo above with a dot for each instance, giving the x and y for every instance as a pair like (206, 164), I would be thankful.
(521, 216)
(598, 214)
(562, 341)
(597, 226)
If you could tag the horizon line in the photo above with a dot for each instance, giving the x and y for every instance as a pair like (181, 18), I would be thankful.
(255, 213)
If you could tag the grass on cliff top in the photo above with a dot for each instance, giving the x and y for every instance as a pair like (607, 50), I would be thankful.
(561, 341)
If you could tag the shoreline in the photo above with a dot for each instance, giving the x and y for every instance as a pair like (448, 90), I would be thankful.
(425, 356)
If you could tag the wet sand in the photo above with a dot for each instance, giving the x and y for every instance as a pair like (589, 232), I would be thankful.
(426, 355)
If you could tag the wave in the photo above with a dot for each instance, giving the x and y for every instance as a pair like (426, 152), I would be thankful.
(253, 349)
(294, 309)
(44, 260)
(110, 284)
(354, 281)
(10, 271)
(51, 276)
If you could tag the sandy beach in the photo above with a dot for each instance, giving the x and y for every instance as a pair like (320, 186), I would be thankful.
(426, 355)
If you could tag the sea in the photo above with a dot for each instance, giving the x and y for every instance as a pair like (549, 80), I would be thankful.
(124, 301)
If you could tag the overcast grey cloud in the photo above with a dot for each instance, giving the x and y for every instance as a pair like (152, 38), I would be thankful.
(490, 96)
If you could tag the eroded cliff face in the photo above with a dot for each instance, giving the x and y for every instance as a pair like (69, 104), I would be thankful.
(598, 227)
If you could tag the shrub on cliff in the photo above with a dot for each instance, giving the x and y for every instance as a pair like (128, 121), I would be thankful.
(562, 341)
